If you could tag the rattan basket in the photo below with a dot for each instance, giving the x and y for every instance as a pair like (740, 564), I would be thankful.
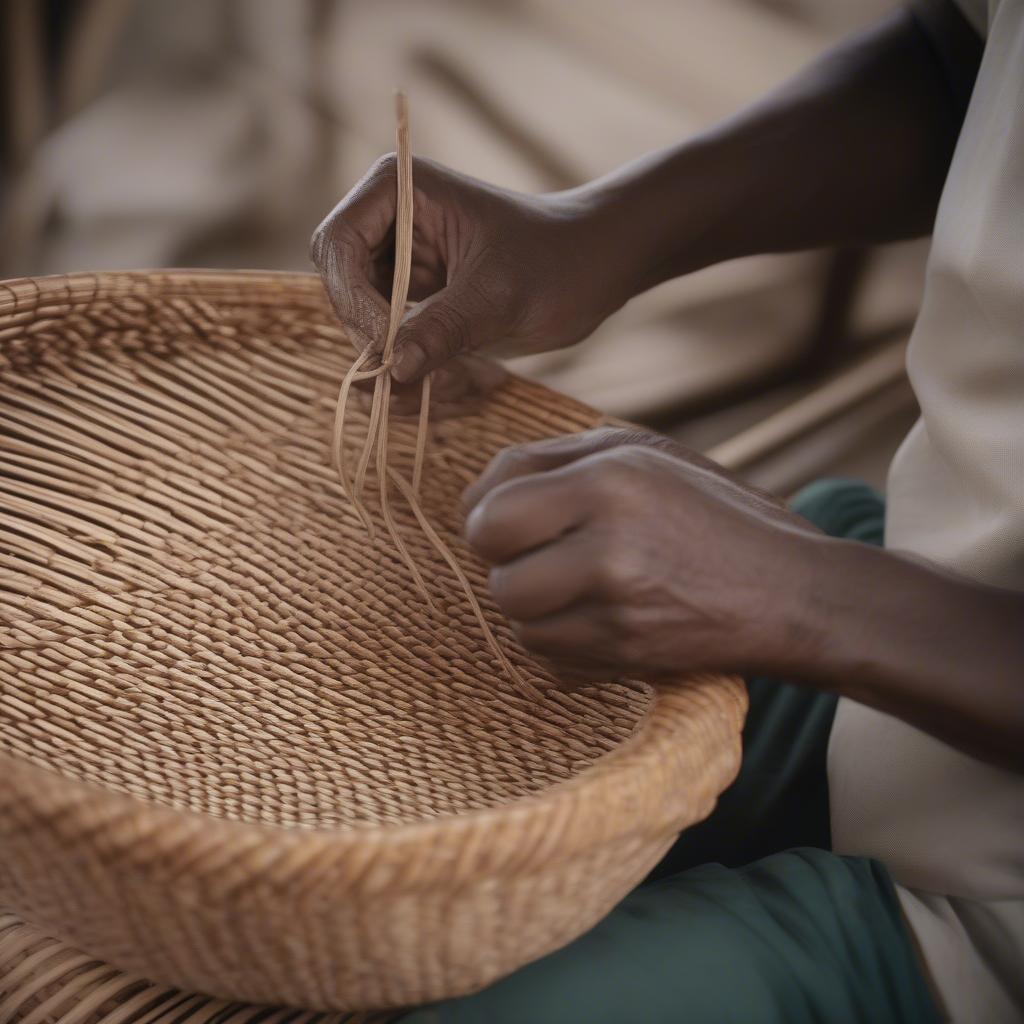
(238, 754)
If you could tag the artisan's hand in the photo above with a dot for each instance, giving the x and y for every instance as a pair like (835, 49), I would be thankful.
(493, 271)
(621, 548)
(498, 272)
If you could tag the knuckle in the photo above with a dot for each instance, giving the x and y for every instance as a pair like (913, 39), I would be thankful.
(383, 168)
(333, 233)
(610, 477)
(609, 437)
(619, 570)
(424, 167)
(643, 440)
(640, 439)
(318, 241)
(331, 240)
(516, 460)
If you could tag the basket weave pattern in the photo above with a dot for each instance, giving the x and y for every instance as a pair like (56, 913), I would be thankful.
(46, 981)
(239, 754)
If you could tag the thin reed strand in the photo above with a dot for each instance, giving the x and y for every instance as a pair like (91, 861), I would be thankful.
(375, 444)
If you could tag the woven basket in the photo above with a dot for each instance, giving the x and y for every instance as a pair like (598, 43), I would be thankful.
(239, 754)
(46, 981)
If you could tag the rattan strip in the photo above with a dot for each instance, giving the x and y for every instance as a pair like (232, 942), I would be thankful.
(88, 568)
(377, 435)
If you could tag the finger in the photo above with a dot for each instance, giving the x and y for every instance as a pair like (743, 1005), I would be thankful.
(424, 280)
(454, 388)
(472, 375)
(343, 246)
(544, 581)
(427, 273)
(576, 635)
(541, 456)
(524, 514)
(455, 320)
(474, 380)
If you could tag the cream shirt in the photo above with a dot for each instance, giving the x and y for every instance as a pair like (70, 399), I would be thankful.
(950, 828)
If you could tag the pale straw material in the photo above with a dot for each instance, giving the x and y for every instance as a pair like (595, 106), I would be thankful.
(239, 754)
(376, 436)
(46, 981)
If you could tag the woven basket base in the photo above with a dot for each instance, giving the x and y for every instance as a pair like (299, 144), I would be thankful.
(240, 753)
(46, 981)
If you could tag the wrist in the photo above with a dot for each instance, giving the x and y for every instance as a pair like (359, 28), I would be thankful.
(817, 607)
(853, 608)
(916, 641)
(662, 216)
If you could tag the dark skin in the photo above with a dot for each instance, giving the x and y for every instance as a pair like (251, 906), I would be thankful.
(621, 549)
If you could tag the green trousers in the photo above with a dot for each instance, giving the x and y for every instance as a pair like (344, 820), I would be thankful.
(749, 919)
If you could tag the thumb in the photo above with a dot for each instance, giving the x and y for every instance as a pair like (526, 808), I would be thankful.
(456, 320)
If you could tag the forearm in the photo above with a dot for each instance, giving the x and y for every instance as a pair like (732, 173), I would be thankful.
(853, 150)
(937, 650)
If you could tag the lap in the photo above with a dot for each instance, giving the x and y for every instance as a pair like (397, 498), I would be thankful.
(801, 936)
(779, 800)
(749, 918)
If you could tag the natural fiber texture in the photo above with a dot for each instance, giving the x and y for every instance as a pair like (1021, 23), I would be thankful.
(239, 755)
(376, 438)
(46, 981)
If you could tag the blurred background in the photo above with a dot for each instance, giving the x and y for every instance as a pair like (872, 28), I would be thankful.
(217, 133)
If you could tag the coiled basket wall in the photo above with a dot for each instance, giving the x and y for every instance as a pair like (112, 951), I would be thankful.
(238, 753)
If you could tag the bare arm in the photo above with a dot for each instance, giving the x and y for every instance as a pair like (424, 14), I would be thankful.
(853, 149)
(931, 647)
(622, 550)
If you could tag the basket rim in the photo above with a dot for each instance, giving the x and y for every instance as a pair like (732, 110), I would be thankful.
(20, 294)
(639, 788)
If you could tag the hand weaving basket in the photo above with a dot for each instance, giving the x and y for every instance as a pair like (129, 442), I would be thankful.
(238, 753)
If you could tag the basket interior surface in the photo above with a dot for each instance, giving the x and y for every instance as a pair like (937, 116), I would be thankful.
(190, 611)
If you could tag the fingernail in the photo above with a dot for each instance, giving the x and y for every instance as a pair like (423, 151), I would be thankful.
(409, 360)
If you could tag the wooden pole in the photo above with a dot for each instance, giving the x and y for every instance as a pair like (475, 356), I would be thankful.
(869, 377)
